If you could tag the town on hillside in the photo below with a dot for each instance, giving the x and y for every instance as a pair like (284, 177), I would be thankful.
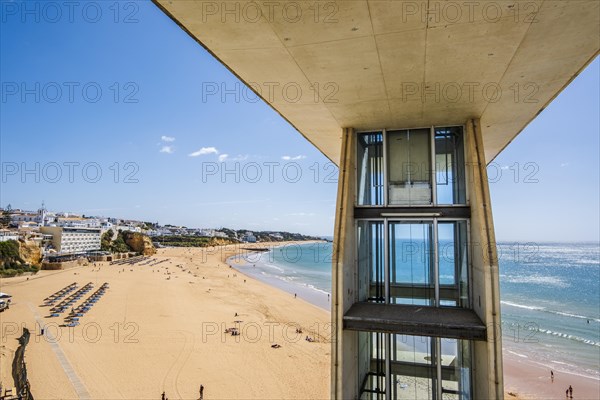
(30, 240)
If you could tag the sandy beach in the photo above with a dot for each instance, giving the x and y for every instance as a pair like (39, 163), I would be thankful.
(162, 328)
(531, 380)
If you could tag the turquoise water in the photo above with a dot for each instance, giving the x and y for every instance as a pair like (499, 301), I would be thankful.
(304, 270)
(550, 296)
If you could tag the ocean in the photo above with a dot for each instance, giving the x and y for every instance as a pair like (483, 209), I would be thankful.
(550, 296)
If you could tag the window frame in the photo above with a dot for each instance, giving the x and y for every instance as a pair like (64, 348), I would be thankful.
(432, 166)
(435, 256)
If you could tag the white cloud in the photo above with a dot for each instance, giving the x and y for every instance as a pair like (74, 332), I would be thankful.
(167, 149)
(565, 164)
(504, 167)
(204, 151)
(239, 157)
(167, 138)
(293, 158)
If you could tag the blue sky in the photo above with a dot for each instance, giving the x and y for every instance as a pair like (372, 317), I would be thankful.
(152, 125)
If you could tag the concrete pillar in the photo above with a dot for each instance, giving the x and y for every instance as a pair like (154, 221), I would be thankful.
(487, 368)
(344, 351)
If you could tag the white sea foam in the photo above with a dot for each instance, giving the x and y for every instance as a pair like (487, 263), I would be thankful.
(510, 303)
(517, 354)
(566, 314)
(536, 280)
(570, 337)
(274, 267)
(317, 289)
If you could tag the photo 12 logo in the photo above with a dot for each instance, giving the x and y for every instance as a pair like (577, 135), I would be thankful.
(454, 12)
(68, 172)
(53, 12)
(251, 12)
(268, 171)
(272, 92)
(69, 92)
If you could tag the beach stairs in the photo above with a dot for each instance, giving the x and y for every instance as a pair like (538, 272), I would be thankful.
(9, 394)
(375, 390)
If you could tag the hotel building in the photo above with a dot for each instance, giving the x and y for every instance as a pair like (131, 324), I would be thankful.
(68, 240)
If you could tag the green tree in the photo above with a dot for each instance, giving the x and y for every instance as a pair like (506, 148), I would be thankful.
(5, 218)
(105, 241)
(119, 245)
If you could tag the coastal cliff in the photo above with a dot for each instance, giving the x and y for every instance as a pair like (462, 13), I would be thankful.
(30, 252)
(139, 243)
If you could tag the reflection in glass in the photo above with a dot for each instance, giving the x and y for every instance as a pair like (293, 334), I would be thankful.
(371, 365)
(371, 261)
(453, 264)
(409, 167)
(411, 263)
(370, 169)
(449, 166)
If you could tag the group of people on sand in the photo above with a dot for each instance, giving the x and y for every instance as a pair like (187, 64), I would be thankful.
(163, 396)
(568, 392)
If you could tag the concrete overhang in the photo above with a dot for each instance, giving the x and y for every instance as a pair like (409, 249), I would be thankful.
(373, 64)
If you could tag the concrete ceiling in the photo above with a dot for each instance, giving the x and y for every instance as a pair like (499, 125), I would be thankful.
(373, 64)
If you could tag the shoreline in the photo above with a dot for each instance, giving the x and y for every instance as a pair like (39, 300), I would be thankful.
(525, 379)
(312, 295)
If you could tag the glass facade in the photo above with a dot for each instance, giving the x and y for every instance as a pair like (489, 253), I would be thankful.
(413, 174)
(409, 167)
(419, 259)
(422, 262)
(449, 156)
(370, 169)
(418, 367)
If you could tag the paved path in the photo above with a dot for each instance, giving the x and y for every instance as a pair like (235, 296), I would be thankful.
(79, 387)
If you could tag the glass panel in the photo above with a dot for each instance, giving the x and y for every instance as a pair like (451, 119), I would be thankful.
(371, 365)
(456, 369)
(412, 367)
(453, 264)
(370, 169)
(409, 167)
(450, 166)
(411, 264)
(371, 279)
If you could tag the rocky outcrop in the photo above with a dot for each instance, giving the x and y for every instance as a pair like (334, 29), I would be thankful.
(220, 242)
(30, 252)
(140, 243)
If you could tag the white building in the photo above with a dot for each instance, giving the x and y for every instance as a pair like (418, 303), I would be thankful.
(8, 235)
(73, 240)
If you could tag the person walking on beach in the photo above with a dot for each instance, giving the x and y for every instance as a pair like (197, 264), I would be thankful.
(552, 376)
(201, 392)
(570, 391)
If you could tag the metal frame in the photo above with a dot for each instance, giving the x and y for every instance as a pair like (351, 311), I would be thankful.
(432, 166)
(406, 216)
(435, 245)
